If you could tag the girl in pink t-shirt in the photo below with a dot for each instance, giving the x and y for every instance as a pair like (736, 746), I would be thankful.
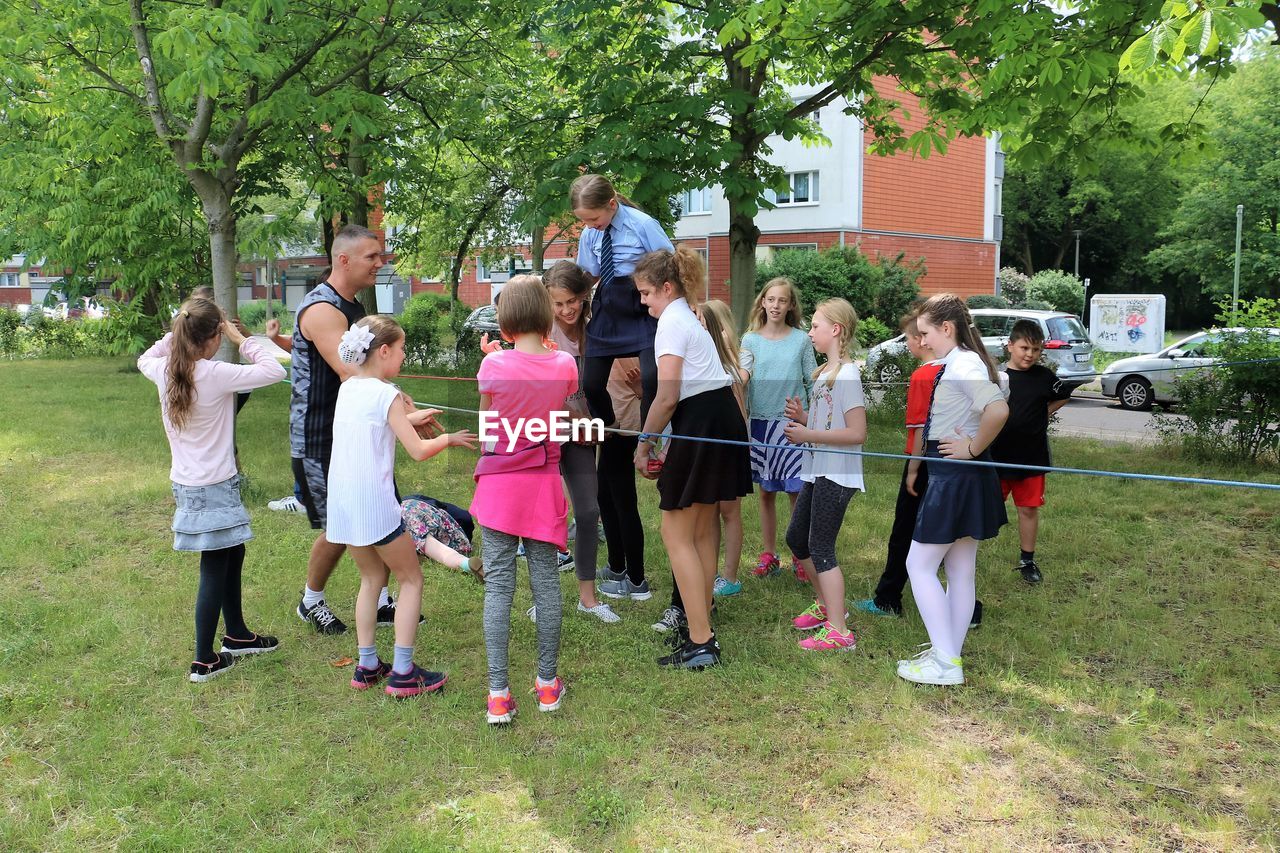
(519, 494)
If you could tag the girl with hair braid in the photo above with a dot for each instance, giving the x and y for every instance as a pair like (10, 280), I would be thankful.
(695, 396)
(963, 504)
(197, 408)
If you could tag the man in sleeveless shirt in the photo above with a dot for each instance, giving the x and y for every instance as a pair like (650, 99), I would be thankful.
(322, 317)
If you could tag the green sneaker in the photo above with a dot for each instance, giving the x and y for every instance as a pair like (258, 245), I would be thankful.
(724, 587)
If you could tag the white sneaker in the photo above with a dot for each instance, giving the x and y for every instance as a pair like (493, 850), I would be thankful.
(932, 669)
(289, 504)
(601, 611)
(926, 649)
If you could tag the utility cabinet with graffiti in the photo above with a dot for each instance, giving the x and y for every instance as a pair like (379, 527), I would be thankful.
(1127, 322)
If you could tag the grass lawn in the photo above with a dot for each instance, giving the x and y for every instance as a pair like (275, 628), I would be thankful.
(1129, 702)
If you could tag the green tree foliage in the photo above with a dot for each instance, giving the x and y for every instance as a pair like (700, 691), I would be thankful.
(218, 88)
(1231, 412)
(1242, 167)
(712, 98)
(884, 288)
(1061, 290)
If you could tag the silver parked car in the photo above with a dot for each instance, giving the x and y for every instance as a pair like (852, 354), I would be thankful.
(1067, 347)
(1139, 381)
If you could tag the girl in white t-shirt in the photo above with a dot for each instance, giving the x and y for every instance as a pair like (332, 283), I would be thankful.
(963, 503)
(837, 418)
(695, 397)
(364, 512)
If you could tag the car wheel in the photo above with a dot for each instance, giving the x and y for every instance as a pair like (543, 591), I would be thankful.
(1135, 394)
(889, 372)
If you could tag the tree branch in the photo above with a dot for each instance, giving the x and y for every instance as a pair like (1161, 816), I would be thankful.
(142, 42)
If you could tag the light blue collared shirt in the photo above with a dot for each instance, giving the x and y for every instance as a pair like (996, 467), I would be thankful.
(635, 233)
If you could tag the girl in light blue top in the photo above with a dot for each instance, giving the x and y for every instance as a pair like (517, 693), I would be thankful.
(779, 356)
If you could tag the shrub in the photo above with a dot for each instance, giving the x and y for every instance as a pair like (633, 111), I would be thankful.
(1230, 412)
(1037, 305)
(128, 328)
(883, 289)
(871, 332)
(1013, 285)
(887, 404)
(252, 313)
(10, 323)
(987, 300)
(1061, 290)
(423, 333)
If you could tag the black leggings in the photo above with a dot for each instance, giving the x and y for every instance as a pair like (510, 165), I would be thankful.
(219, 591)
(816, 521)
(595, 379)
(619, 511)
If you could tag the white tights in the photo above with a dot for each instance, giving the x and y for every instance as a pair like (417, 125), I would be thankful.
(946, 614)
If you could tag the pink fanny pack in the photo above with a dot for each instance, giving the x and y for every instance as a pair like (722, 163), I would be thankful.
(527, 458)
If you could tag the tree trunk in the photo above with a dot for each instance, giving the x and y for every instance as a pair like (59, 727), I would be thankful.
(359, 169)
(743, 237)
(538, 247)
(215, 201)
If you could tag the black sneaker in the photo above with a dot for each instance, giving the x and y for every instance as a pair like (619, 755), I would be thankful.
(564, 561)
(387, 615)
(680, 637)
(976, 619)
(363, 678)
(1030, 571)
(415, 682)
(693, 656)
(201, 672)
(321, 618)
(259, 644)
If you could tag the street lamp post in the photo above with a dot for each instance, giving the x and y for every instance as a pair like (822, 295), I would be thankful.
(1077, 232)
(267, 219)
(1235, 284)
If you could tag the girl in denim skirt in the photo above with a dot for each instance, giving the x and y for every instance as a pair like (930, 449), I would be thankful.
(197, 407)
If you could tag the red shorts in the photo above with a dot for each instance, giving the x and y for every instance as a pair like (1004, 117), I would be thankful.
(1027, 492)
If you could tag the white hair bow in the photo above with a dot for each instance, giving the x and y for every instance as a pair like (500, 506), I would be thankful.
(354, 346)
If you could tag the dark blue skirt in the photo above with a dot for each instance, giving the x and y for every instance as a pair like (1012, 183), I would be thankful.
(619, 324)
(962, 500)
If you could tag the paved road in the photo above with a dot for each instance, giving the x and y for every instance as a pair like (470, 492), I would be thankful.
(1090, 415)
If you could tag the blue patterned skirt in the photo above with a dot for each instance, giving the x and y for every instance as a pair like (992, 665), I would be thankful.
(209, 518)
(774, 469)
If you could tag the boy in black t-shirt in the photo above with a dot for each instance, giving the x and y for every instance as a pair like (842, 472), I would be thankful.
(1035, 393)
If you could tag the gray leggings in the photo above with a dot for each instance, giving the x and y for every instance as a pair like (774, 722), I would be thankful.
(578, 467)
(500, 590)
(816, 520)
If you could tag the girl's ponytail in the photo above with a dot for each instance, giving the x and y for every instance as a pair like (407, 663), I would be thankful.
(683, 268)
(197, 322)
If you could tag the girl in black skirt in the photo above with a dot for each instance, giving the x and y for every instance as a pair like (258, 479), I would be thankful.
(695, 396)
(963, 504)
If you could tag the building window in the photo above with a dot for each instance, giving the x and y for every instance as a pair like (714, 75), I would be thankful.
(815, 116)
(766, 254)
(802, 189)
(10, 279)
(695, 202)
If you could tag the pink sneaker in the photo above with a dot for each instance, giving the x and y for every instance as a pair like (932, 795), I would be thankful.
(502, 709)
(549, 696)
(768, 566)
(828, 639)
(800, 573)
(812, 618)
